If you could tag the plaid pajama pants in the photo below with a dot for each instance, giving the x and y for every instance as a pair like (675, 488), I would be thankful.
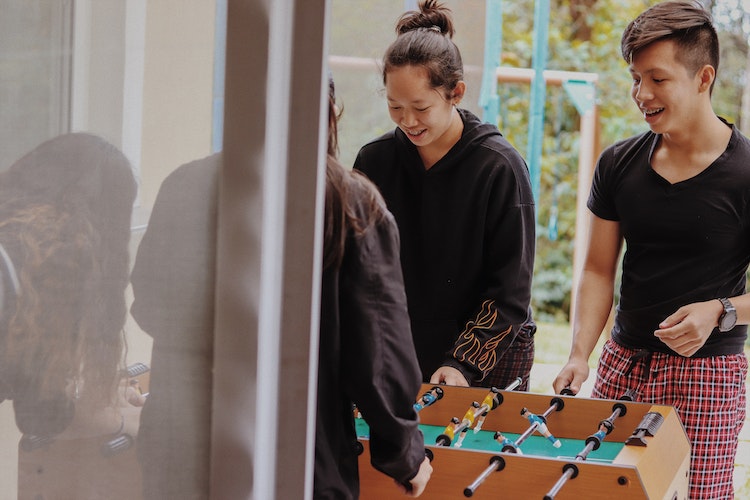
(516, 362)
(708, 394)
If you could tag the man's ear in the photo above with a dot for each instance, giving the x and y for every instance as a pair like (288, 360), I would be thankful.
(707, 75)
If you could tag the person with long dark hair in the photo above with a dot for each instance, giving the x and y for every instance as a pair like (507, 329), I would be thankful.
(366, 353)
(65, 212)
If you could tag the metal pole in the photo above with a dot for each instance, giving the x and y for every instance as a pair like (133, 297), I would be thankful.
(538, 95)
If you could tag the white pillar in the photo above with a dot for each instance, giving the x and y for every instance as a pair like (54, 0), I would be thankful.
(269, 250)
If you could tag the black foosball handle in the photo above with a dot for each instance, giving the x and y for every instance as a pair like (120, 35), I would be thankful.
(31, 442)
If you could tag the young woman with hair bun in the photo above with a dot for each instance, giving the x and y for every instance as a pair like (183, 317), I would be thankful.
(461, 195)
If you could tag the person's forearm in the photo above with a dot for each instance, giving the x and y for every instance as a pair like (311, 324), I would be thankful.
(592, 309)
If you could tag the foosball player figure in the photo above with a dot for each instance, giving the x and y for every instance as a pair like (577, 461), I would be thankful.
(491, 401)
(428, 398)
(467, 422)
(446, 438)
(506, 444)
(541, 426)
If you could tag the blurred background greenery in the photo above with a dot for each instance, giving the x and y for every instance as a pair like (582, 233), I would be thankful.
(584, 36)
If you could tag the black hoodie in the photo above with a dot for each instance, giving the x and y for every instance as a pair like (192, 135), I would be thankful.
(467, 243)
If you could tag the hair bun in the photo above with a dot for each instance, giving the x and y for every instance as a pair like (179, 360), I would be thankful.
(431, 16)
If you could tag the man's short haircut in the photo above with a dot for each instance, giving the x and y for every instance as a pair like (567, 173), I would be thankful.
(687, 23)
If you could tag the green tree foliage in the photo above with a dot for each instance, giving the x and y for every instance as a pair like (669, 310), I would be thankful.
(584, 36)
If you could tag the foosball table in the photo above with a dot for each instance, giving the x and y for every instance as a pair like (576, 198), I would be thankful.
(490, 443)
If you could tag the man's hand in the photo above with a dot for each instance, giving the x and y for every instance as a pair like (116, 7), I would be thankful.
(449, 376)
(689, 327)
(572, 376)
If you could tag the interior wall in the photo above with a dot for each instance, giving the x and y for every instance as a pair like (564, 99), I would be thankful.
(177, 88)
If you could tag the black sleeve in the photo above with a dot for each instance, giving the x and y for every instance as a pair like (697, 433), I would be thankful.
(601, 198)
(503, 308)
(378, 355)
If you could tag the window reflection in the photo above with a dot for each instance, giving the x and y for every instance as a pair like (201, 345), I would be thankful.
(65, 212)
(86, 409)
(173, 288)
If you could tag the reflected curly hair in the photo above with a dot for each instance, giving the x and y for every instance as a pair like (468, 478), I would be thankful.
(65, 214)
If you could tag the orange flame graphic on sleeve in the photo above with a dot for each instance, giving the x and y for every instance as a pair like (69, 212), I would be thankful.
(471, 349)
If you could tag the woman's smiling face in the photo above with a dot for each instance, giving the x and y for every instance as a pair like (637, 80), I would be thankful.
(423, 113)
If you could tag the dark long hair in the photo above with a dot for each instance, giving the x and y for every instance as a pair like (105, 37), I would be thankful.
(344, 188)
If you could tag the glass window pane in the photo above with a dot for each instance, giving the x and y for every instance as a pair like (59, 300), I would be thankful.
(111, 119)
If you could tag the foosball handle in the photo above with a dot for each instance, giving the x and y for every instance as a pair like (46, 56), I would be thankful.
(136, 369)
(31, 442)
(628, 396)
(567, 391)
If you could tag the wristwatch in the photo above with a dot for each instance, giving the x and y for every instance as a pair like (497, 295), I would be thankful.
(728, 318)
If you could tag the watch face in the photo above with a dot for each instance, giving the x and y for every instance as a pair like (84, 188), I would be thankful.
(728, 320)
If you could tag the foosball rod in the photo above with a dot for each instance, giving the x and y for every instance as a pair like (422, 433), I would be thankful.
(556, 404)
(570, 471)
(514, 384)
(496, 464)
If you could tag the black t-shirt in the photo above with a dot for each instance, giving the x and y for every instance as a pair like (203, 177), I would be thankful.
(684, 242)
